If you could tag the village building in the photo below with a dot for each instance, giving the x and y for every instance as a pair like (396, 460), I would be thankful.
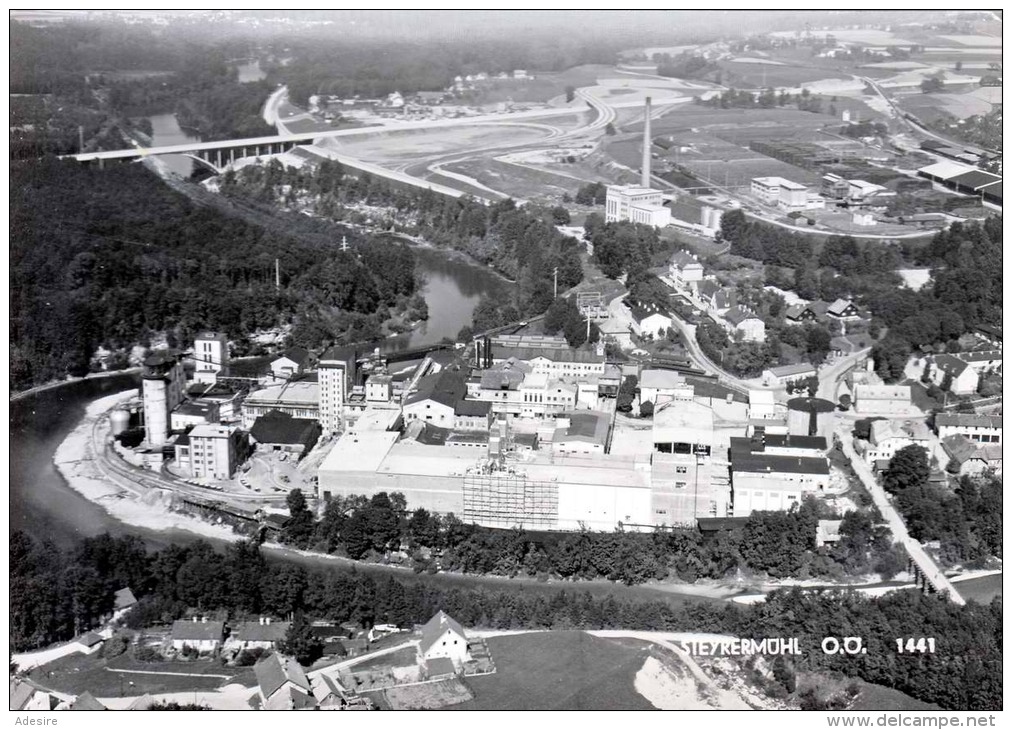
(785, 374)
(843, 309)
(86, 702)
(982, 361)
(89, 643)
(963, 378)
(969, 458)
(197, 633)
(976, 427)
(685, 270)
(443, 638)
(887, 437)
(762, 405)
(801, 313)
(292, 363)
(650, 321)
(563, 362)
(745, 323)
(282, 685)
(261, 634)
(882, 400)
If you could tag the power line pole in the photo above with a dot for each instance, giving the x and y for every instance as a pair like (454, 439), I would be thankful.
(277, 274)
(556, 274)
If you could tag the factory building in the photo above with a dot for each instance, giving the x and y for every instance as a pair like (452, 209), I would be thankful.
(636, 204)
(210, 356)
(977, 427)
(774, 472)
(162, 383)
(336, 373)
(209, 451)
(298, 399)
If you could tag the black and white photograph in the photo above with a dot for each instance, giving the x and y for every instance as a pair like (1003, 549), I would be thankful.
(506, 360)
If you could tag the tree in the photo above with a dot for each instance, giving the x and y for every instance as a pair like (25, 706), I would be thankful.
(300, 641)
(646, 409)
(298, 528)
(570, 94)
(609, 129)
(560, 216)
(909, 467)
(932, 85)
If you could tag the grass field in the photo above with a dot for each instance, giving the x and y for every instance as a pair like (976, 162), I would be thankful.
(756, 75)
(981, 590)
(77, 673)
(559, 670)
(518, 180)
(402, 658)
(434, 696)
(884, 699)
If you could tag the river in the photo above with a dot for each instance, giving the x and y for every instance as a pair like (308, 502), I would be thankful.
(166, 132)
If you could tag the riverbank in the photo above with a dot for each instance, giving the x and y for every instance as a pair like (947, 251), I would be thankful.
(69, 381)
(135, 505)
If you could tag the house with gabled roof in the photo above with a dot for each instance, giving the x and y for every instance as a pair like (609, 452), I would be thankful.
(86, 701)
(649, 321)
(200, 634)
(89, 642)
(261, 634)
(282, 684)
(964, 378)
(685, 269)
(801, 313)
(443, 637)
(291, 363)
(747, 322)
(843, 309)
(968, 457)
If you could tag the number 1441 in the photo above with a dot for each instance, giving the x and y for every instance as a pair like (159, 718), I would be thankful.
(916, 646)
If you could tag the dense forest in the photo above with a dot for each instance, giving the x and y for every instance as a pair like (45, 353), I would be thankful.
(774, 543)
(109, 257)
(521, 243)
(56, 595)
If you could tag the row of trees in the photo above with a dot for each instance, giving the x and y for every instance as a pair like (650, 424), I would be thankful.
(779, 544)
(965, 674)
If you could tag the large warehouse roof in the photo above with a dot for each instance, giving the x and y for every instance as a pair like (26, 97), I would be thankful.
(945, 170)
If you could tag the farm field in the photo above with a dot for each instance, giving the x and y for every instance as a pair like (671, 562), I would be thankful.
(76, 673)
(929, 107)
(543, 88)
(559, 670)
(759, 75)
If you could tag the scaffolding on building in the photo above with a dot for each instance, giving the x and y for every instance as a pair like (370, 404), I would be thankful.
(503, 496)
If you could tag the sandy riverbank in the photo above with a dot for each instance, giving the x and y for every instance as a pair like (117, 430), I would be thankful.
(134, 505)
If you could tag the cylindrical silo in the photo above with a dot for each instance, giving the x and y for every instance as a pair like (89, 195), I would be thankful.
(705, 216)
(119, 420)
(810, 417)
(715, 215)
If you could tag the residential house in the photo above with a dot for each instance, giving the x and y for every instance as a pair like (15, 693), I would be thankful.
(882, 399)
(86, 702)
(89, 643)
(282, 684)
(123, 601)
(887, 437)
(685, 269)
(618, 331)
(291, 363)
(650, 321)
(715, 298)
(581, 433)
(982, 361)
(443, 637)
(976, 427)
(331, 694)
(277, 431)
(784, 374)
(827, 532)
(198, 633)
(964, 379)
(261, 634)
(967, 457)
(747, 323)
(843, 309)
(801, 313)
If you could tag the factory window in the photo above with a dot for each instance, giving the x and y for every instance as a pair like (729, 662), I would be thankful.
(681, 470)
(680, 485)
(661, 511)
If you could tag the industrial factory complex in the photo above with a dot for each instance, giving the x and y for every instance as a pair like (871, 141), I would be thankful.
(512, 431)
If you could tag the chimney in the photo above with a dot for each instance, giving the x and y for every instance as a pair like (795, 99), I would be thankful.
(261, 620)
(194, 619)
(646, 147)
(267, 621)
(203, 619)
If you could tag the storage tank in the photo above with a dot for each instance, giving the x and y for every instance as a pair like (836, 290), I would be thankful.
(119, 421)
(810, 417)
(715, 215)
(705, 216)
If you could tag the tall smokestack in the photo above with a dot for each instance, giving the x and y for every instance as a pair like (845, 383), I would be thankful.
(646, 147)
